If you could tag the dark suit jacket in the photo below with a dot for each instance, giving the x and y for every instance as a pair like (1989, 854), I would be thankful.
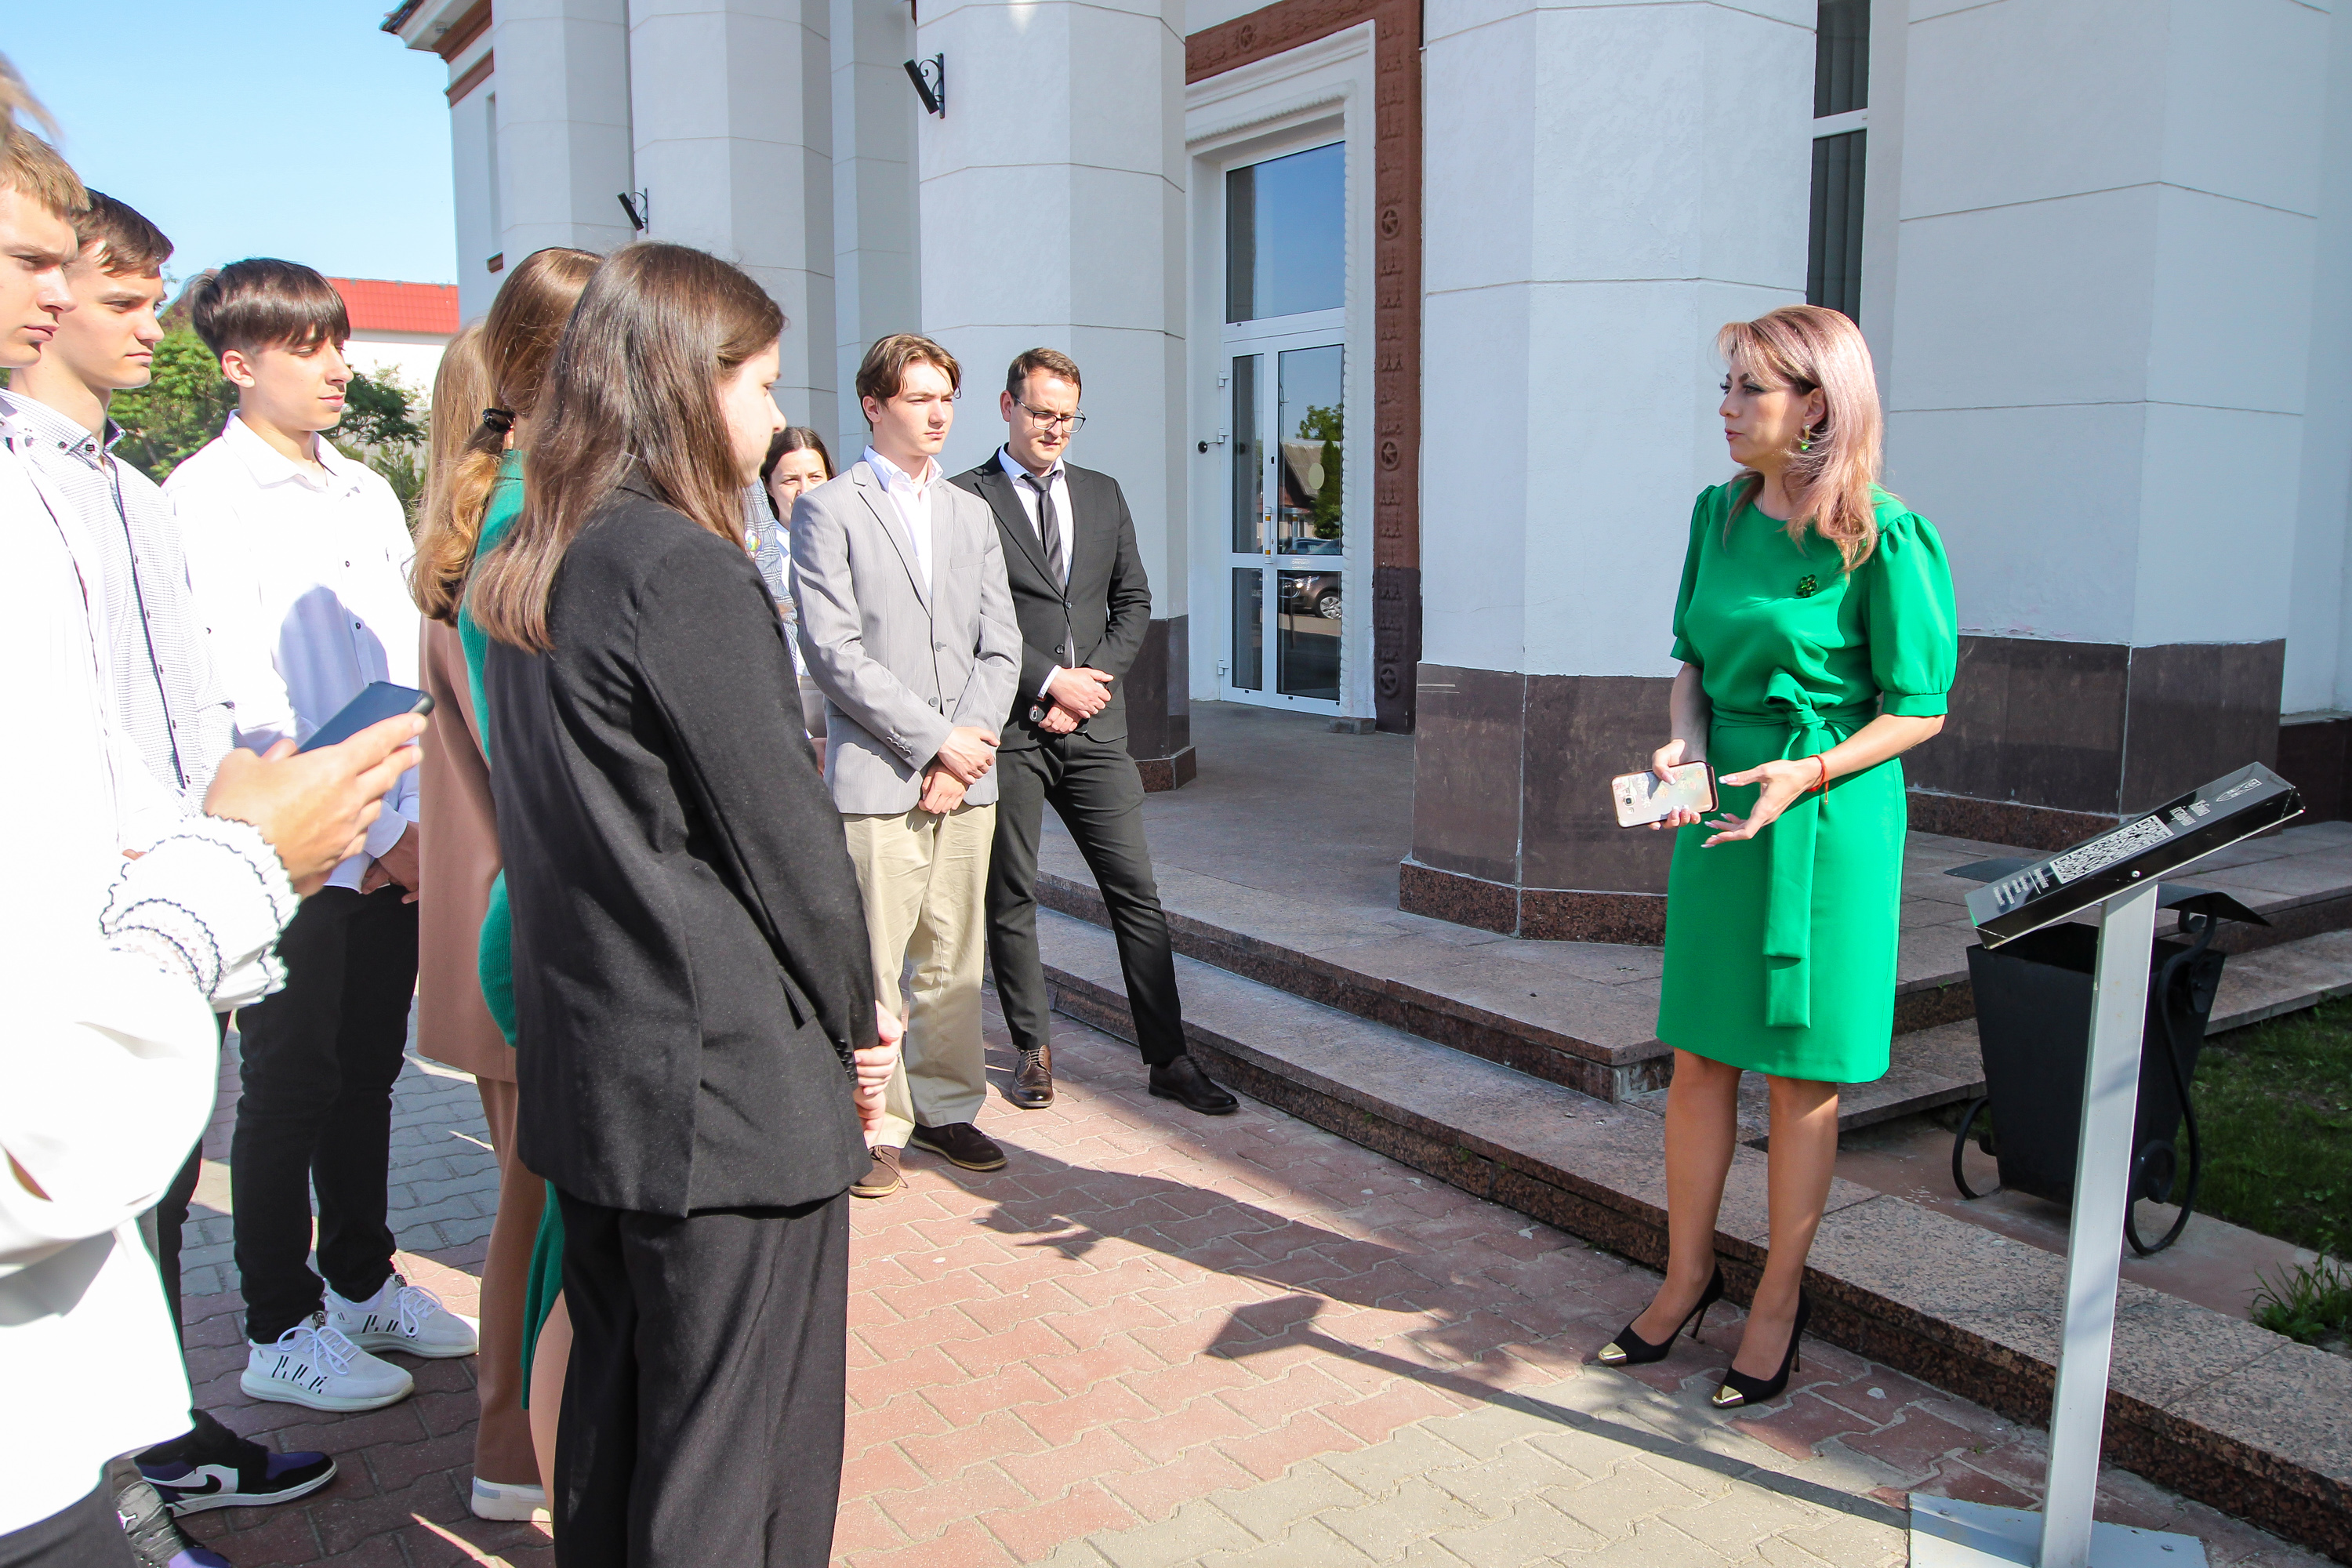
(690, 960)
(1109, 602)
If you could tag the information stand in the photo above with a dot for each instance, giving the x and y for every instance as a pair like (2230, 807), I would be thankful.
(2116, 875)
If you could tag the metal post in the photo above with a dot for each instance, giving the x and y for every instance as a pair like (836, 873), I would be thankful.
(2095, 1239)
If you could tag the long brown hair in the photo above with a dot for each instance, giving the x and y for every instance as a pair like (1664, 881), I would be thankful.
(517, 339)
(1834, 482)
(461, 385)
(633, 395)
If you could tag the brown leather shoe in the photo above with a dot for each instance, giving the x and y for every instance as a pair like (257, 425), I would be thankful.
(882, 1177)
(1033, 1081)
(959, 1143)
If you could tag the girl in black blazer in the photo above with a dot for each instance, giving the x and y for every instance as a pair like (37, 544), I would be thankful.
(698, 1040)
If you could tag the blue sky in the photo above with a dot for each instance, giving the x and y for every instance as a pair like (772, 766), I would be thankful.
(287, 128)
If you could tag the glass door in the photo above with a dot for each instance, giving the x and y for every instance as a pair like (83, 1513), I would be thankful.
(1289, 561)
(1287, 567)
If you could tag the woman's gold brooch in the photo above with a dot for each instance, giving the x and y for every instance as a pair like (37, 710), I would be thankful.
(1807, 586)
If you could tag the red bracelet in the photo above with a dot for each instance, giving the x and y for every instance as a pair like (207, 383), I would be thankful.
(1822, 758)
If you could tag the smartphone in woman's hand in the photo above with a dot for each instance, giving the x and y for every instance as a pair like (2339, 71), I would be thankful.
(1643, 798)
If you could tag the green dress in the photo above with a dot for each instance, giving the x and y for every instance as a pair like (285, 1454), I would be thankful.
(1780, 949)
(493, 960)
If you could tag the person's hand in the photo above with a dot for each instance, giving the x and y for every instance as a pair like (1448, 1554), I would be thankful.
(1085, 693)
(943, 791)
(1783, 782)
(968, 752)
(1663, 763)
(1058, 720)
(397, 864)
(314, 808)
(816, 743)
(874, 1065)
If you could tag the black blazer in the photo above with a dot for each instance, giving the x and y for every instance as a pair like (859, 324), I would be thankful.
(690, 961)
(1110, 598)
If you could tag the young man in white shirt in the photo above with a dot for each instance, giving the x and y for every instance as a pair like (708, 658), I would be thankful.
(298, 559)
(159, 680)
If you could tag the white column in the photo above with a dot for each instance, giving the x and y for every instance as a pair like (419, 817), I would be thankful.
(2319, 639)
(2105, 316)
(1605, 188)
(562, 130)
(876, 288)
(733, 129)
(1052, 212)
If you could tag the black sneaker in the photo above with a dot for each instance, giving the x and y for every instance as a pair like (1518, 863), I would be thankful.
(156, 1537)
(212, 1467)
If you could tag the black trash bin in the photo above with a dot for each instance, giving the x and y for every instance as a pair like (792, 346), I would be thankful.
(2034, 1023)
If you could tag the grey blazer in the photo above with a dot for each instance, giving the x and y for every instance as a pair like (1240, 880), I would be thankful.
(900, 666)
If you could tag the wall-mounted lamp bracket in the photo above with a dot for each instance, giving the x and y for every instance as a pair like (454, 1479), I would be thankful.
(639, 205)
(930, 79)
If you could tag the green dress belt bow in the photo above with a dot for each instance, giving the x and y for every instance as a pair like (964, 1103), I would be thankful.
(1790, 843)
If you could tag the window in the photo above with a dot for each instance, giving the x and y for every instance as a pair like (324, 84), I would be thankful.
(1840, 111)
(1286, 236)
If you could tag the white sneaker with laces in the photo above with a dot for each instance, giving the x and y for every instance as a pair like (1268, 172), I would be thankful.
(402, 1316)
(313, 1365)
(506, 1500)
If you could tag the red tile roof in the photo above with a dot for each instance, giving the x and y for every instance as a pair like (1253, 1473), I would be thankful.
(378, 305)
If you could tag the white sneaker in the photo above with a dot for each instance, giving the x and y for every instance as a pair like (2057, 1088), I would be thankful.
(313, 1365)
(510, 1499)
(401, 1317)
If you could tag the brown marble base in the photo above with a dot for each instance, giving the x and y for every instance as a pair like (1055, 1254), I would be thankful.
(1541, 914)
(1168, 773)
(2004, 821)
(2315, 754)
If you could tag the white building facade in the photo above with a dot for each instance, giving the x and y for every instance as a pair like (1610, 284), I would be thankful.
(1397, 320)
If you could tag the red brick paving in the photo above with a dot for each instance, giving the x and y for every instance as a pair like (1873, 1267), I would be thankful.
(1145, 1307)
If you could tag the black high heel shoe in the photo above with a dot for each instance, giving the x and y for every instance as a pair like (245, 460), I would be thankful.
(1739, 1389)
(1630, 1349)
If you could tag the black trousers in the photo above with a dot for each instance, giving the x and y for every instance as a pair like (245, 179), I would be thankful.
(85, 1535)
(702, 1406)
(1096, 789)
(319, 1060)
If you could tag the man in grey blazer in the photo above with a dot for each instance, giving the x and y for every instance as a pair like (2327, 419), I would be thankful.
(908, 628)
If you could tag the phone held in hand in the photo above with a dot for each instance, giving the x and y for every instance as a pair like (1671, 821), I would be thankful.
(379, 700)
(1645, 798)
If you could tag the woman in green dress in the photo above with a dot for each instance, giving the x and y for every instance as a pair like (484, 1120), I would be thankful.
(1818, 639)
(518, 337)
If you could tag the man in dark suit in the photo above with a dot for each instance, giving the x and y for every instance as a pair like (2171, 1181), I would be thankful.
(1083, 601)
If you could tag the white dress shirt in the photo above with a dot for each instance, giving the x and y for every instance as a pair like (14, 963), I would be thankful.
(109, 1059)
(1057, 485)
(128, 547)
(301, 579)
(911, 494)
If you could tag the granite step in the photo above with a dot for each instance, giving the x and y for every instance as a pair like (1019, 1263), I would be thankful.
(1584, 1014)
(2210, 1405)
(1942, 1066)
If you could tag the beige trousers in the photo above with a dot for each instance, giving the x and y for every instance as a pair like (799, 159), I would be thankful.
(925, 879)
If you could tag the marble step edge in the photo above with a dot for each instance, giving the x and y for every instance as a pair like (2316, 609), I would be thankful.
(1612, 1072)
(1942, 1066)
(2212, 1407)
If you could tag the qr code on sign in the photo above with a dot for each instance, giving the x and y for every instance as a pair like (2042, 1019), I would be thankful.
(2100, 853)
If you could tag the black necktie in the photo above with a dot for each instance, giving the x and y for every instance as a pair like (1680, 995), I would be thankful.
(1049, 529)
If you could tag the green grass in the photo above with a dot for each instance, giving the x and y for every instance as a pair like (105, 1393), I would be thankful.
(2312, 1304)
(2275, 1103)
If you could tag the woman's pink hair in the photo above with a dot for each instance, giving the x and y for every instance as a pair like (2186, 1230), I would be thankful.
(1833, 485)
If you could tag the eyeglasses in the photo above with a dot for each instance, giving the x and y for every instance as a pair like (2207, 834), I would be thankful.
(1045, 421)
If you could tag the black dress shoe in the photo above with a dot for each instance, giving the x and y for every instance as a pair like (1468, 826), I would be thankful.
(1033, 1080)
(959, 1143)
(1182, 1081)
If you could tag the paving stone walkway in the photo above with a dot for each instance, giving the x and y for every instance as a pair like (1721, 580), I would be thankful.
(1160, 1339)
